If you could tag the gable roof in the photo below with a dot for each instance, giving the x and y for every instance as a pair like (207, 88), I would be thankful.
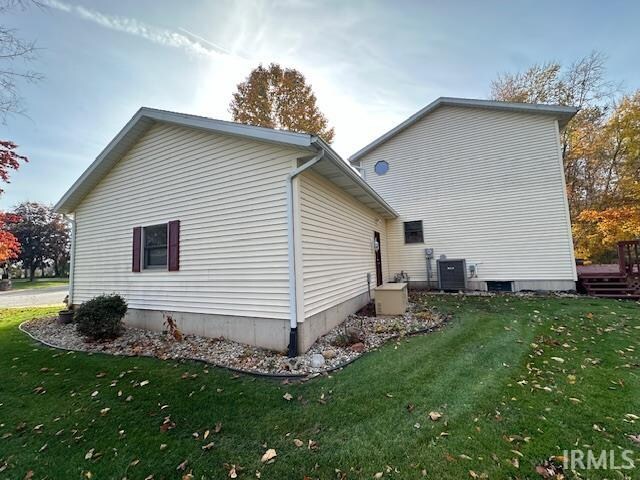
(562, 113)
(336, 169)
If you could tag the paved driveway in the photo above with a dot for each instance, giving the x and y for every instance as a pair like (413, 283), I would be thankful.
(34, 297)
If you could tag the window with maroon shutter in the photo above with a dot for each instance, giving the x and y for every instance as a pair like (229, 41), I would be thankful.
(137, 247)
(174, 245)
(157, 247)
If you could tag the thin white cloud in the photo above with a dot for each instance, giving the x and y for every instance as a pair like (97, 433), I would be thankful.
(160, 36)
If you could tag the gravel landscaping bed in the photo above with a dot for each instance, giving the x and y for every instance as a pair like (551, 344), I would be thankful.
(357, 335)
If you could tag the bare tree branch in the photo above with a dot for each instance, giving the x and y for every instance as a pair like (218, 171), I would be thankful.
(14, 53)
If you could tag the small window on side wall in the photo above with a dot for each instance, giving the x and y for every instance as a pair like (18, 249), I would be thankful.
(155, 246)
(413, 232)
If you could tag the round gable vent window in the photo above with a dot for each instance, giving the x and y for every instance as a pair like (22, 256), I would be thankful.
(381, 167)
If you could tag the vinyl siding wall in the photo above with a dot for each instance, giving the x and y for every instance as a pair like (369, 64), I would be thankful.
(230, 197)
(337, 244)
(488, 186)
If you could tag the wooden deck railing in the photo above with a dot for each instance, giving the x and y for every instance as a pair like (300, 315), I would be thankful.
(629, 257)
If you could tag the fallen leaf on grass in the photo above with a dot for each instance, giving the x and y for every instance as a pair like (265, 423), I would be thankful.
(378, 475)
(167, 424)
(287, 396)
(435, 416)
(634, 438)
(269, 456)
(218, 427)
(297, 442)
(233, 470)
(144, 382)
(183, 465)
(558, 359)
(208, 446)
(28, 475)
(104, 411)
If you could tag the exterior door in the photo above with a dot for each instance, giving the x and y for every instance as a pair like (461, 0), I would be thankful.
(378, 250)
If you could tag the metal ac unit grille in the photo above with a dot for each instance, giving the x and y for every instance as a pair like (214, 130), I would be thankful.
(452, 275)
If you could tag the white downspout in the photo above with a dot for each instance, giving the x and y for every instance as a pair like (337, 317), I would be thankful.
(293, 299)
(72, 259)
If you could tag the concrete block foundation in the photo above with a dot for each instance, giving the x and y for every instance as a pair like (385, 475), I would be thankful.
(317, 325)
(269, 333)
(262, 332)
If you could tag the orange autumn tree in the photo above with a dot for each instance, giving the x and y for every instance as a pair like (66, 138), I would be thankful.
(9, 160)
(276, 97)
(600, 230)
(617, 216)
(9, 245)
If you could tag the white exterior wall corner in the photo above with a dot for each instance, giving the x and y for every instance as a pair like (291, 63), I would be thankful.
(488, 186)
(336, 239)
(229, 194)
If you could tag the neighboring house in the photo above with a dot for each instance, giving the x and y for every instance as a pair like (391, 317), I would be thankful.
(269, 238)
(477, 180)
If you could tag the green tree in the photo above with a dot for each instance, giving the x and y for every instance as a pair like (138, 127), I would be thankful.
(277, 97)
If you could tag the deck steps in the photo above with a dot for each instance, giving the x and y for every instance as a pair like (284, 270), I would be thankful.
(614, 280)
(609, 285)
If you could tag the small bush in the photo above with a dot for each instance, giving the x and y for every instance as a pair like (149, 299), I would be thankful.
(101, 317)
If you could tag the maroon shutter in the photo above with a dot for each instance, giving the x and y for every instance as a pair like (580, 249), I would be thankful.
(137, 247)
(174, 245)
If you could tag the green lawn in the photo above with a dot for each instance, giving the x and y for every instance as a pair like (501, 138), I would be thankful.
(24, 283)
(491, 372)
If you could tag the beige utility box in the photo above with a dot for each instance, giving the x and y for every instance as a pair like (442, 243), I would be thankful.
(391, 299)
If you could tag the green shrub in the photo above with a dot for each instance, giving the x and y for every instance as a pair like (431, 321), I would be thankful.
(101, 317)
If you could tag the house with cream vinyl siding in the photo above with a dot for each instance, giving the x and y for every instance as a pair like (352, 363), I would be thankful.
(260, 236)
(269, 238)
(486, 181)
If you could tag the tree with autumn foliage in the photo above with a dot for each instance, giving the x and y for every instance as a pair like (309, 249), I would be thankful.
(9, 160)
(43, 235)
(277, 97)
(600, 147)
(9, 245)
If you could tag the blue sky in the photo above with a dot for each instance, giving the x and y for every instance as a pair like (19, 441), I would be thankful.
(371, 63)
